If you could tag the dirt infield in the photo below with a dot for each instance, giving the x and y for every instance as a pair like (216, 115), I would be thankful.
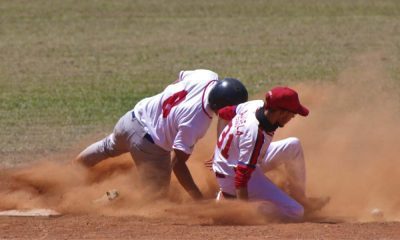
(351, 153)
(103, 227)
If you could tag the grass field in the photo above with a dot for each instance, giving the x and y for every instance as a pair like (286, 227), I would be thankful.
(72, 68)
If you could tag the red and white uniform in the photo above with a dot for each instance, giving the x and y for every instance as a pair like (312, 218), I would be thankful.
(242, 144)
(244, 152)
(180, 115)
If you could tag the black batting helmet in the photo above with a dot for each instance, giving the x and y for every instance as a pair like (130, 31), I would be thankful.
(227, 92)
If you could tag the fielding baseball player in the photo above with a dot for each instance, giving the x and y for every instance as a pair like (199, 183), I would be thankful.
(245, 151)
(172, 120)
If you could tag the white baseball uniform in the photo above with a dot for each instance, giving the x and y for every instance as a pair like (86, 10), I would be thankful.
(244, 151)
(174, 119)
(179, 116)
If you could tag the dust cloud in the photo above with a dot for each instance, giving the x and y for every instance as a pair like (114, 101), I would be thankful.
(350, 143)
(71, 189)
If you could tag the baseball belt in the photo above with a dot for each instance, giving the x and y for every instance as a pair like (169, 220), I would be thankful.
(146, 136)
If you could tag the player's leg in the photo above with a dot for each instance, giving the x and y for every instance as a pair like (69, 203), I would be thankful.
(288, 152)
(261, 188)
(110, 146)
(273, 202)
(154, 170)
(152, 162)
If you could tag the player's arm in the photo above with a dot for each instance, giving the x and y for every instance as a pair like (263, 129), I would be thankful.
(242, 177)
(242, 194)
(183, 175)
(250, 145)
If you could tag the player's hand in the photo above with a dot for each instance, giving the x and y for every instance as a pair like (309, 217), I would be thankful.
(242, 193)
(196, 194)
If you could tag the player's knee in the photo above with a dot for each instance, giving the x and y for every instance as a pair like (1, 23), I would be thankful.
(294, 145)
(293, 142)
(83, 160)
(78, 160)
(93, 154)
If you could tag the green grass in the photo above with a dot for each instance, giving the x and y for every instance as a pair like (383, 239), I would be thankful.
(70, 68)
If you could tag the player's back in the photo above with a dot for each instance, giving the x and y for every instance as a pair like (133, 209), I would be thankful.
(179, 116)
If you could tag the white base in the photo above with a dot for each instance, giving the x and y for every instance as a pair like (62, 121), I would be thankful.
(37, 212)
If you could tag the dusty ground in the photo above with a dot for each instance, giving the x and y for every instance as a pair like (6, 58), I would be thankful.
(103, 227)
(351, 147)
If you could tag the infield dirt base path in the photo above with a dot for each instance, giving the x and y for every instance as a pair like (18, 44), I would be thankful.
(132, 227)
(357, 171)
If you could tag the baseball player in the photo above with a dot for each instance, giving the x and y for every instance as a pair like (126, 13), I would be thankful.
(245, 151)
(171, 121)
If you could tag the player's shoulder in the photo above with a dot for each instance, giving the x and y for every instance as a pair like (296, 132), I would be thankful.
(249, 106)
(246, 113)
(198, 74)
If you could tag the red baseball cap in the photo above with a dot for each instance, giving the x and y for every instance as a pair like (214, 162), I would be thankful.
(285, 98)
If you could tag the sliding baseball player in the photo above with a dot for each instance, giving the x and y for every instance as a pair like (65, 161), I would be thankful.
(245, 151)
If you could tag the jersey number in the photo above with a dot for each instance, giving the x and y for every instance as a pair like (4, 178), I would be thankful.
(172, 101)
(225, 150)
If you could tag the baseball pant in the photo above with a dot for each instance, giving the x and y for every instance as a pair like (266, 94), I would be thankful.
(289, 153)
(152, 162)
(274, 201)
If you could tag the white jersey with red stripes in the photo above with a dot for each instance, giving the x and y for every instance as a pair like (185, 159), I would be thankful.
(242, 141)
(180, 115)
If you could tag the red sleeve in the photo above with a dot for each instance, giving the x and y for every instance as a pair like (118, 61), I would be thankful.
(244, 171)
(227, 113)
(242, 175)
